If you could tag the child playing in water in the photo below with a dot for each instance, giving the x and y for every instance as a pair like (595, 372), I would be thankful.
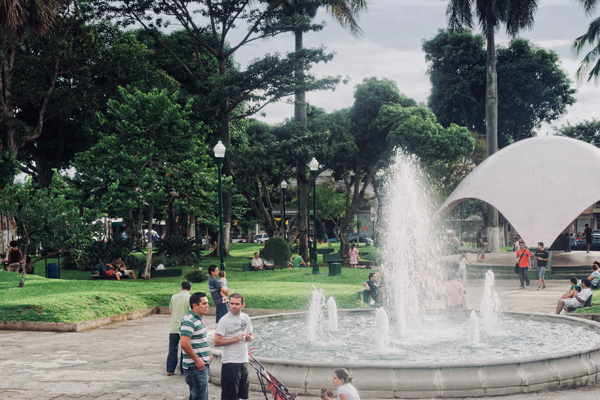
(224, 288)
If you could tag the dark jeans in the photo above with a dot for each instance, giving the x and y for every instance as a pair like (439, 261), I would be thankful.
(222, 310)
(172, 357)
(197, 380)
(523, 277)
(234, 381)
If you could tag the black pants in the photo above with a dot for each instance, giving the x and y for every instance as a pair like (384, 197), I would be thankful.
(234, 381)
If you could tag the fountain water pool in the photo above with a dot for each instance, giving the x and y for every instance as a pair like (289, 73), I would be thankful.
(418, 352)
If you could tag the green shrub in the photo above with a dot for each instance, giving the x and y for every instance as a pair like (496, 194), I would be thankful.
(196, 276)
(179, 250)
(277, 249)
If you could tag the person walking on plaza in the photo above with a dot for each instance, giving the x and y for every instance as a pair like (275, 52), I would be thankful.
(541, 256)
(214, 286)
(480, 247)
(179, 306)
(197, 356)
(589, 236)
(523, 261)
(567, 242)
(233, 331)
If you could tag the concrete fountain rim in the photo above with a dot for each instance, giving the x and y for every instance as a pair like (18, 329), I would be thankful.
(431, 365)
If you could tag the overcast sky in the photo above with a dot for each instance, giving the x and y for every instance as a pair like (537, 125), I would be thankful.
(391, 48)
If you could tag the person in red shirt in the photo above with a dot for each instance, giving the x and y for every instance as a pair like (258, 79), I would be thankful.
(524, 264)
(455, 296)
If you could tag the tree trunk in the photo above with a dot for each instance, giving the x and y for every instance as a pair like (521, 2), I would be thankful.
(491, 119)
(192, 226)
(149, 244)
(22, 282)
(226, 140)
(301, 170)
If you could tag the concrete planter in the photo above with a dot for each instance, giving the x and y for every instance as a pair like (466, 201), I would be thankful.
(438, 380)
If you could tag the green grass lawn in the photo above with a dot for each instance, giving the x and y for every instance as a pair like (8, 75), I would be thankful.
(75, 297)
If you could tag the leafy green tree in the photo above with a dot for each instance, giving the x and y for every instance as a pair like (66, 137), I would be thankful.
(362, 139)
(240, 93)
(592, 35)
(94, 61)
(19, 19)
(535, 89)
(48, 217)
(587, 131)
(515, 15)
(148, 151)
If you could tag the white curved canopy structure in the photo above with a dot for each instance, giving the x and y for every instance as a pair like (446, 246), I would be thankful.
(540, 185)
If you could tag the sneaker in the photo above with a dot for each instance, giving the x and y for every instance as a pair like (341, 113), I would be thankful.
(538, 288)
(169, 373)
(521, 287)
(527, 286)
(544, 287)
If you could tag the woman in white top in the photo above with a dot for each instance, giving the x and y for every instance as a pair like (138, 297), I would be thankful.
(341, 380)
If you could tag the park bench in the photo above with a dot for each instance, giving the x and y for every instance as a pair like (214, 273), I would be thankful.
(325, 251)
(332, 257)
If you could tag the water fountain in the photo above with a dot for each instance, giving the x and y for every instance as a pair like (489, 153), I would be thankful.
(332, 317)
(473, 329)
(421, 349)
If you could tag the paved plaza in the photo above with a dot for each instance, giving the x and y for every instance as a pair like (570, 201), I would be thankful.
(126, 361)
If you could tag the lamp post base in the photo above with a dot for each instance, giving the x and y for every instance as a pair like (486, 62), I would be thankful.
(315, 270)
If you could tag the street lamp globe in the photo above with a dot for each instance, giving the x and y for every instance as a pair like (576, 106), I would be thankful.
(219, 150)
(314, 165)
(283, 184)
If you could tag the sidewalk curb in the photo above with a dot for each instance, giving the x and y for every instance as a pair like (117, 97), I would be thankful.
(113, 319)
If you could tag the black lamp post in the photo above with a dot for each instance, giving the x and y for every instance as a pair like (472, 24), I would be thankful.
(219, 155)
(283, 186)
(314, 166)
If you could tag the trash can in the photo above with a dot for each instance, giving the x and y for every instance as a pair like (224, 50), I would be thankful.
(53, 271)
(335, 269)
(247, 267)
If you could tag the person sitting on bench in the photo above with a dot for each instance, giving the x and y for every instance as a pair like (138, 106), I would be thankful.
(373, 287)
(257, 263)
(578, 300)
(595, 276)
(120, 270)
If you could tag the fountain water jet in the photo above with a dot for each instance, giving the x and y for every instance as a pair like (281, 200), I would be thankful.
(315, 315)
(332, 318)
(490, 307)
(473, 329)
(382, 326)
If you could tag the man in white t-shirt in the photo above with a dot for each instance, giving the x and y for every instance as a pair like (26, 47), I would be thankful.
(578, 299)
(234, 330)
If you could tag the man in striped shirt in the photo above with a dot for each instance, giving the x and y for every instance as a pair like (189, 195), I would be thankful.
(196, 357)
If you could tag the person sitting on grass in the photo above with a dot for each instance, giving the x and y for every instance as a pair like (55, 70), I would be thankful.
(14, 257)
(571, 290)
(595, 276)
(257, 263)
(578, 300)
(373, 287)
(298, 261)
(119, 269)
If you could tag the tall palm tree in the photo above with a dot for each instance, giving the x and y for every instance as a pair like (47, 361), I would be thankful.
(345, 13)
(592, 35)
(491, 14)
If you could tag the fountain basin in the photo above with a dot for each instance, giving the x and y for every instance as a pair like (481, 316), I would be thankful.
(557, 370)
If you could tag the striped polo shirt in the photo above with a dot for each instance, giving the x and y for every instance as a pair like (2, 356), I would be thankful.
(192, 326)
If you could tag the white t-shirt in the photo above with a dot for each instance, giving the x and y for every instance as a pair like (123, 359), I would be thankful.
(229, 327)
(584, 295)
(349, 391)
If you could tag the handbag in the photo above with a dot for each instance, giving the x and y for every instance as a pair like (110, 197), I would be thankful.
(518, 262)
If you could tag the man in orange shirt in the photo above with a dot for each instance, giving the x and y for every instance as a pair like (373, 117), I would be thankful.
(524, 264)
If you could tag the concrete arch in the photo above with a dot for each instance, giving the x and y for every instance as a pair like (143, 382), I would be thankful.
(540, 185)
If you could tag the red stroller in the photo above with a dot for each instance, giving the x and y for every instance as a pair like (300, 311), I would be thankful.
(277, 389)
